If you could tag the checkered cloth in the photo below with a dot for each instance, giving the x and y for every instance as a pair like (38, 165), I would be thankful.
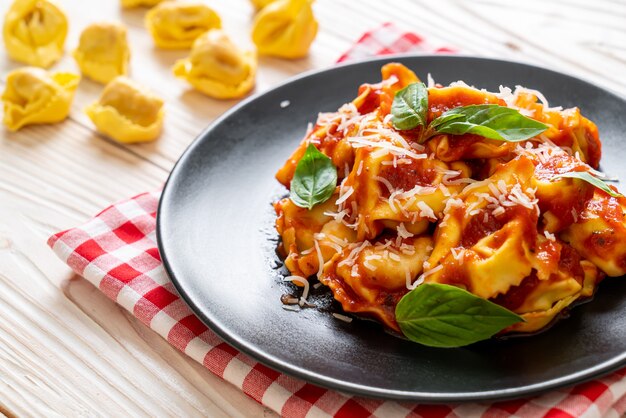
(388, 39)
(117, 252)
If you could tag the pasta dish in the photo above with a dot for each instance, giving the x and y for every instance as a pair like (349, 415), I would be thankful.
(449, 213)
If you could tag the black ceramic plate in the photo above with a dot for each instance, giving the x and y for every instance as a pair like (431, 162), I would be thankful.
(216, 235)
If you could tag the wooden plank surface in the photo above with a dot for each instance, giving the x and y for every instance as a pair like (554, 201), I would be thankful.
(65, 349)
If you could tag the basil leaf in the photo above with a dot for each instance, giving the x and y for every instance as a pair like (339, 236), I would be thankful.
(440, 315)
(410, 106)
(315, 179)
(594, 181)
(445, 118)
(489, 120)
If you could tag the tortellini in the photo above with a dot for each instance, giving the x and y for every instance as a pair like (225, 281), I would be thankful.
(127, 112)
(259, 4)
(34, 32)
(509, 222)
(285, 28)
(138, 3)
(103, 52)
(33, 95)
(177, 24)
(600, 232)
(217, 67)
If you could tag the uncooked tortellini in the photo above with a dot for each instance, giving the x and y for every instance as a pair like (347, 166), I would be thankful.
(178, 24)
(285, 28)
(137, 3)
(102, 52)
(33, 95)
(34, 32)
(127, 112)
(217, 67)
(259, 4)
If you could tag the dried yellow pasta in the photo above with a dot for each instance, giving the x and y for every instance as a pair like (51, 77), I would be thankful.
(34, 32)
(138, 3)
(177, 24)
(34, 96)
(285, 28)
(259, 4)
(127, 112)
(103, 52)
(217, 67)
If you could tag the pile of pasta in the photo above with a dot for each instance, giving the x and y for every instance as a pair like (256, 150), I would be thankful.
(34, 33)
(491, 217)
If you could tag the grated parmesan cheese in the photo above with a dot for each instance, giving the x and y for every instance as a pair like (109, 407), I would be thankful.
(360, 168)
(351, 259)
(407, 249)
(386, 182)
(304, 282)
(423, 276)
(332, 245)
(360, 142)
(550, 236)
(354, 272)
(343, 318)
(402, 231)
(369, 258)
(458, 255)
(498, 211)
(430, 81)
(345, 196)
(426, 211)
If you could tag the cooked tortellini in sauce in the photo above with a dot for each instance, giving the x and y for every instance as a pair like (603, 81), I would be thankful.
(103, 52)
(33, 96)
(511, 223)
(217, 67)
(127, 112)
(34, 32)
(177, 24)
(285, 28)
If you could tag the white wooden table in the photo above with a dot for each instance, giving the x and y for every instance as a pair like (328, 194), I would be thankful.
(64, 347)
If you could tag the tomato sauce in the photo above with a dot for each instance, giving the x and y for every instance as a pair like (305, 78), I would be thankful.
(407, 176)
(368, 100)
(570, 262)
(516, 295)
(558, 164)
(383, 308)
(444, 99)
(456, 147)
(477, 228)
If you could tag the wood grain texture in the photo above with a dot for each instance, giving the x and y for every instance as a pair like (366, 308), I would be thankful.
(65, 349)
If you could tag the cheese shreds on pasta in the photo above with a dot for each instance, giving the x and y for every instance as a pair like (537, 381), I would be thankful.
(416, 207)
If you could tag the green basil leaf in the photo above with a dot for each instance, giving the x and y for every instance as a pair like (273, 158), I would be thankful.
(594, 181)
(489, 120)
(440, 315)
(315, 179)
(410, 107)
(445, 118)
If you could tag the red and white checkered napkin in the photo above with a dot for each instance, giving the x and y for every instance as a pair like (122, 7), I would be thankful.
(117, 252)
(388, 39)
